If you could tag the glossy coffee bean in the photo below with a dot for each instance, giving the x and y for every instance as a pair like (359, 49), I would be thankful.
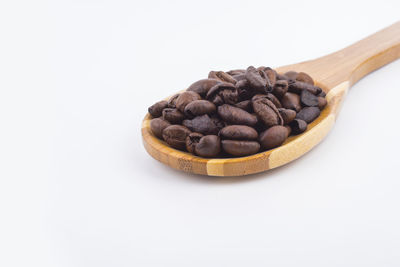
(173, 115)
(307, 99)
(266, 112)
(203, 86)
(199, 107)
(240, 148)
(222, 76)
(156, 109)
(287, 115)
(157, 126)
(223, 93)
(175, 136)
(308, 114)
(202, 124)
(209, 146)
(296, 87)
(273, 137)
(238, 132)
(192, 140)
(257, 79)
(298, 126)
(304, 77)
(234, 115)
(291, 101)
(185, 98)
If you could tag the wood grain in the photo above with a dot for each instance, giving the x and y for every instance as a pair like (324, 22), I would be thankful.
(334, 73)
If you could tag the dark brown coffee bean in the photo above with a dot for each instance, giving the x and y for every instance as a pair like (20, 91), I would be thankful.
(246, 105)
(291, 101)
(267, 113)
(209, 146)
(240, 148)
(239, 77)
(238, 132)
(307, 99)
(192, 140)
(322, 102)
(156, 109)
(199, 107)
(245, 92)
(288, 129)
(297, 87)
(273, 137)
(218, 122)
(234, 115)
(222, 76)
(157, 126)
(185, 98)
(291, 75)
(305, 78)
(202, 124)
(257, 80)
(287, 115)
(298, 126)
(308, 114)
(270, 97)
(173, 115)
(203, 86)
(172, 101)
(271, 74)
(175, 136)
(223, 93)
(280, 88)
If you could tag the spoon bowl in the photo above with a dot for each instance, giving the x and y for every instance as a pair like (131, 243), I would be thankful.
(334, 73)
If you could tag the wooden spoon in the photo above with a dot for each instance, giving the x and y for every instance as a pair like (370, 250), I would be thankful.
(334, 73)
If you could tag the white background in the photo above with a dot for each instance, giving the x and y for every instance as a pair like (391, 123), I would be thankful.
(77, 187)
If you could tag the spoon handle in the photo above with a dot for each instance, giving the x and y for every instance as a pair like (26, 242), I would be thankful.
(355, 61)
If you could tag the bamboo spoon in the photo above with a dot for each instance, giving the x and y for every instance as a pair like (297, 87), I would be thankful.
(334, 73)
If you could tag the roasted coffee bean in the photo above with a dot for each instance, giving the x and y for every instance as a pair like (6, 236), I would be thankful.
(202, 124)
(308, 114)
(288, 129)
(173, 115)
(199, 107)
(209, 146)
(322, 102)
(218, 122)
(291, 101)
(234, 115)
(270, 97)
(297, 87)
(245, 92)
(280, 88)
(157, 126)
(172, 101)
(298, 126)
(222, 93)
(258, 80)
(266, 112)
(238, 132)
(240, 148)
(192, 140)
(273, 137)
(156, 109)
(246, 105)
(185, 98)
(175, 136)
(239, 77)
(305, 78)
(271, 74)
(203, 86)
(287, 115)
(307, 99)
(322, 94)
(222, 76)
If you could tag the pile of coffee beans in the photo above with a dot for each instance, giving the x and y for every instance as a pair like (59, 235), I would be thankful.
(238, 113)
